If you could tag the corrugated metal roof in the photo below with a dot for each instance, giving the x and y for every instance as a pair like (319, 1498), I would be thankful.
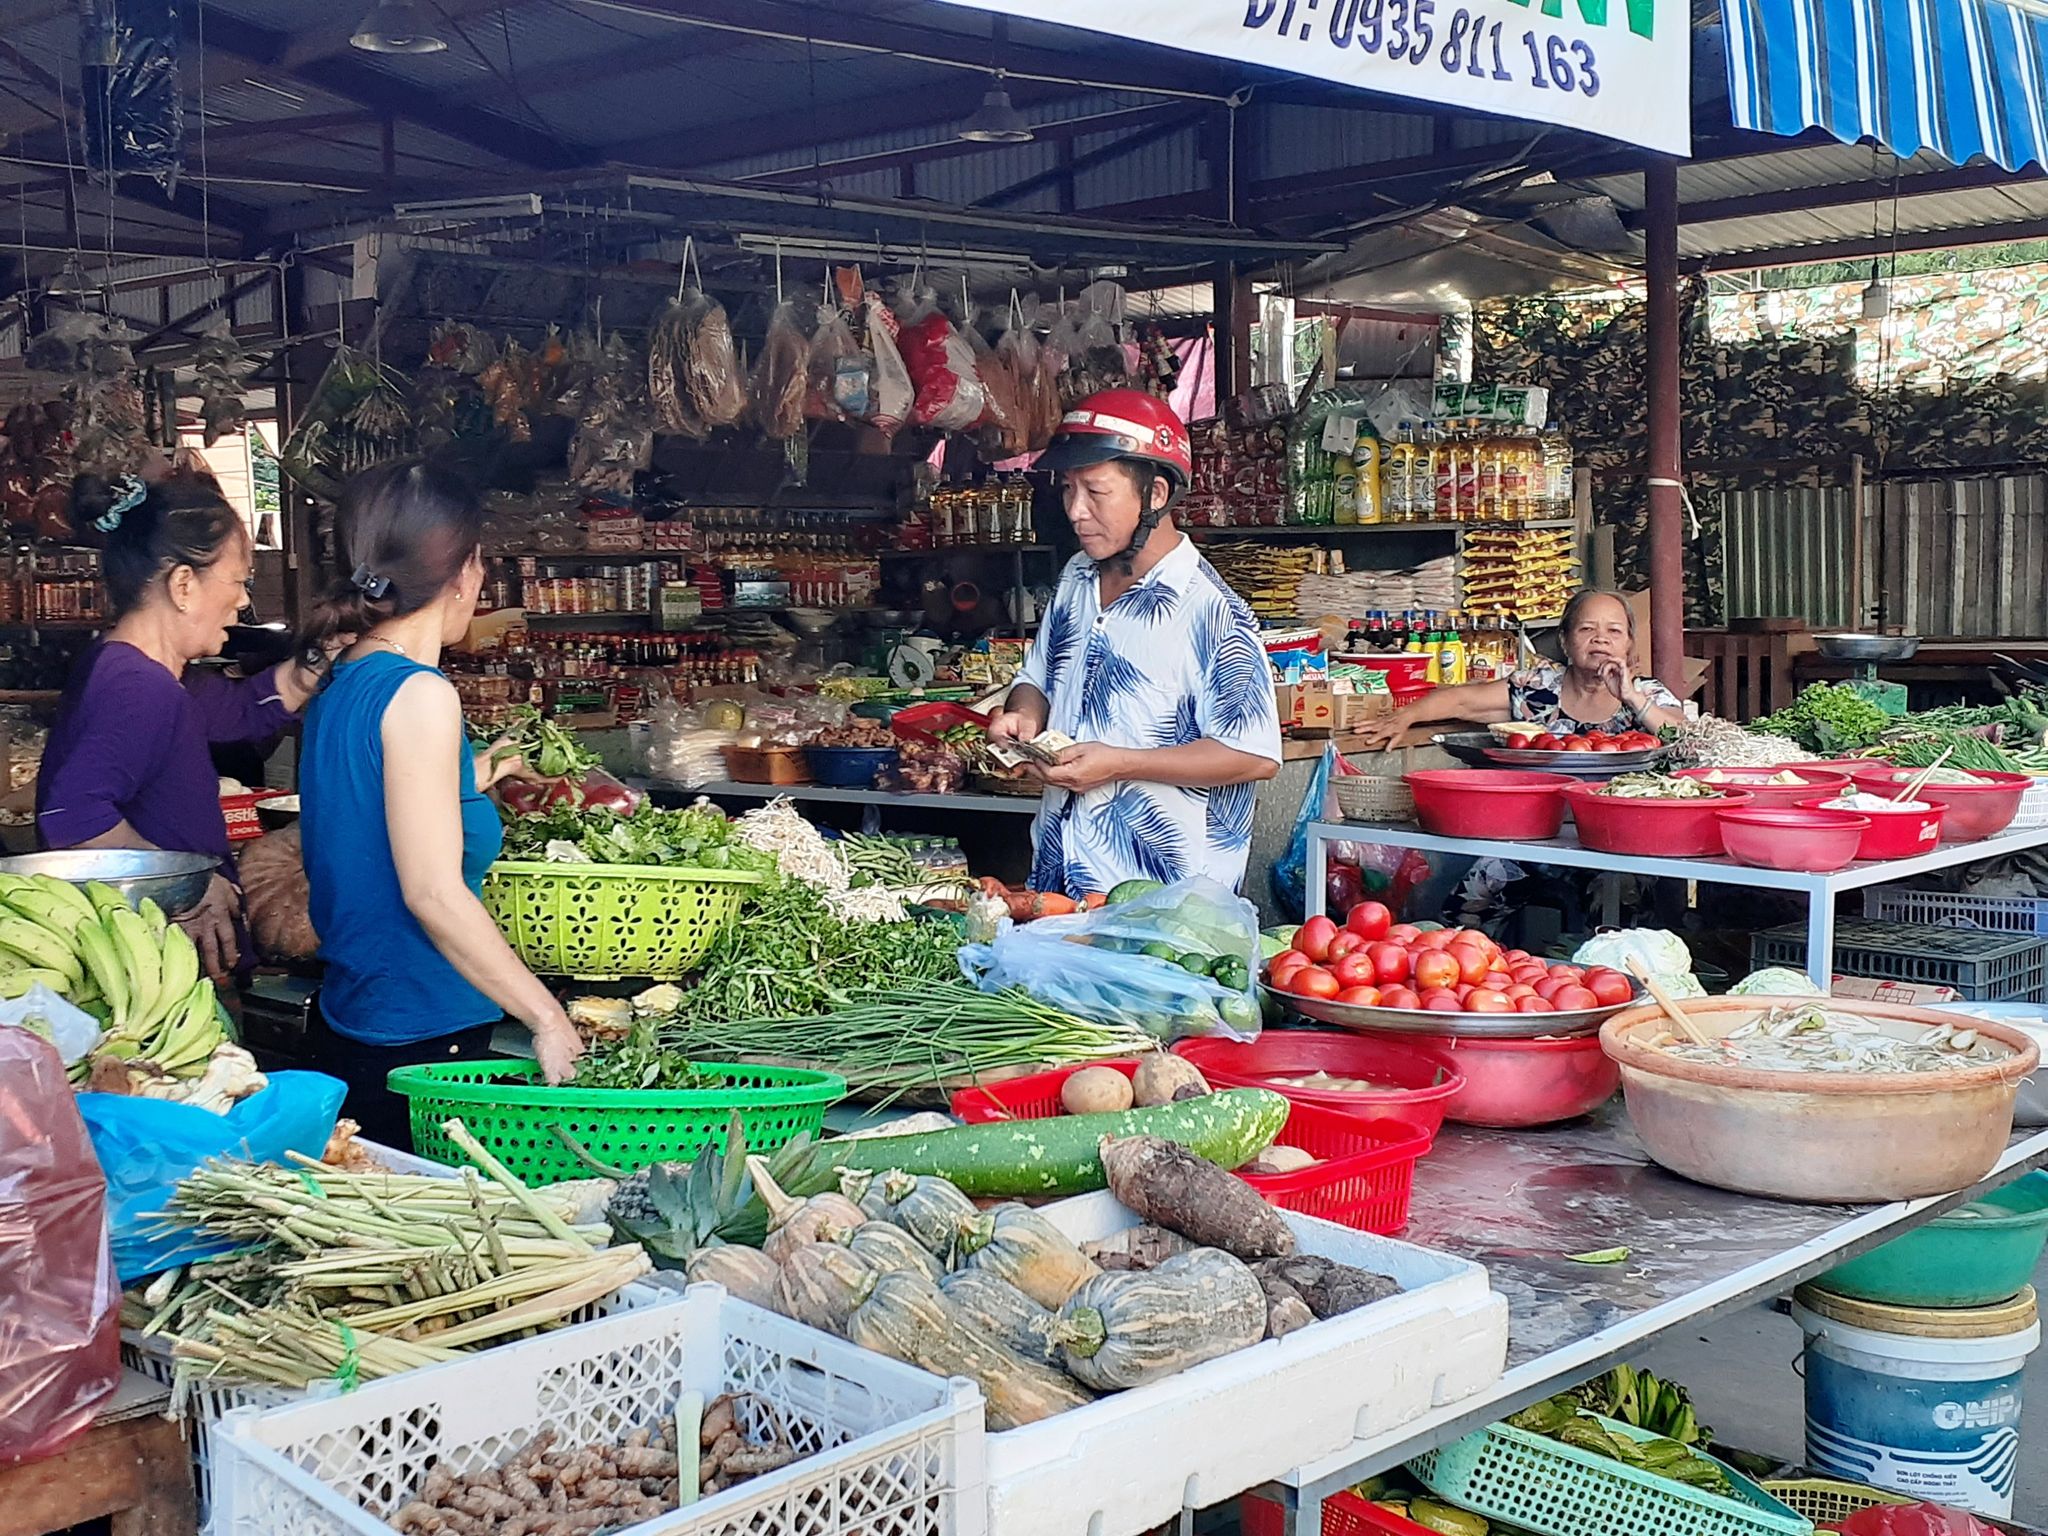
(1947, 211)
(1292, 140)
(1826, 165)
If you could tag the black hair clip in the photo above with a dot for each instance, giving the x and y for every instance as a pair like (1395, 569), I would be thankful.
(369, 583)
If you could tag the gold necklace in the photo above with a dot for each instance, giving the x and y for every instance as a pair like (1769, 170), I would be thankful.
(384, 640)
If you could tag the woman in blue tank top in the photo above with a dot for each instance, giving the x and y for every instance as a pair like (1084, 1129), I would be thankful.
(395, 824)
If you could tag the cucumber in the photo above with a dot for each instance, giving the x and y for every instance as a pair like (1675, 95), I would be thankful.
(1058, 1156)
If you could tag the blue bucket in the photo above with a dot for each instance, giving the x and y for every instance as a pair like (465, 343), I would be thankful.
(1924, 1401)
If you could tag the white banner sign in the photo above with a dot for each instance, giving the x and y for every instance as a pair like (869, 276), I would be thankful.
(1616, 67)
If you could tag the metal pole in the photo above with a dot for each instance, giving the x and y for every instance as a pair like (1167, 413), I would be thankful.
(1667, 528)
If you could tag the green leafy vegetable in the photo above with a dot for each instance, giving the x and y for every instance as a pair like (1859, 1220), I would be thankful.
(697, 837)
(1830, 718)
(550, 750)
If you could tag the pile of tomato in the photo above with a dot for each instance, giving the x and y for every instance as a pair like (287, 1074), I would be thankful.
(1375, 962)
(1593, 741)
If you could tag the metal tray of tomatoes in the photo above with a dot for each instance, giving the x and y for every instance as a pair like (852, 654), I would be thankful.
(1481, 749)
(1430, 1021)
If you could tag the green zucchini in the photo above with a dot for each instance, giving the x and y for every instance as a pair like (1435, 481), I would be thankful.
(1060, 1156)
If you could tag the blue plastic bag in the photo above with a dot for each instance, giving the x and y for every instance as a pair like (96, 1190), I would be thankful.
(1093, 964)
(145, 1146)
(1289, 874)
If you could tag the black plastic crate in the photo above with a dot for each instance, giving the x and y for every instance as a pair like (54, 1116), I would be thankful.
(1983, 967)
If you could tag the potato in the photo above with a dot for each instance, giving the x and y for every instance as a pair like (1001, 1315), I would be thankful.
(1279, 1159)
(1163, 1078)
(1095, 1091)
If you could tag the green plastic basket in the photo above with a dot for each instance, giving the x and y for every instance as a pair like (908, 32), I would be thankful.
(514, 1115)
(607, 922)
(1552, 1489)
(1826, 1501)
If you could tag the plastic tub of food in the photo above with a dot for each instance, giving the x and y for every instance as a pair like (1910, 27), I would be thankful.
(1672, 829)
(1978, 1254)
(848, 766)
(1973, 811)
(1895, 832)
(1818, 842)
(1836, 1138)
(1410, 1083)
(1516, 805)
(1765, 789)
(1514, 1083)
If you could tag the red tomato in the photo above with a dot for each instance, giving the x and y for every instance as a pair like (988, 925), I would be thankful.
(1550, 986)
(1443, 1002)
(1596, 737)
(1436, 938)
(1313, 938)
(1609, 746)
(1610, 987)
(1342, 945)
(1472, 965)
(1546, 743)
(1516, 957)
(1518, 991)
(1390, 961)
(1485, 1000)
(1360, 997)
(1568, 972)
(1399, 997)
(1577, 744)
(1533, 1005)
(1370, 920)
(1572, 999)
(1435, 969)
(1463, 989)
(1314, 981)
(1531, 973)
(1401, 933)
(1354, 971)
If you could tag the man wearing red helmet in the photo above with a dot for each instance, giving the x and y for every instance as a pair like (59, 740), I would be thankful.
(1149, 662)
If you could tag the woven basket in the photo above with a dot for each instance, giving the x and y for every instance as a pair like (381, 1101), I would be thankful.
(1373, 797)
(607, 922)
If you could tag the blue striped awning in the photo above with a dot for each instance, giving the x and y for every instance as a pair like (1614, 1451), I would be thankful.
(1965, 78)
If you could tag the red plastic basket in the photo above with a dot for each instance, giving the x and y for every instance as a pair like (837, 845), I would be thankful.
(1363, 1181)
(1344, 1514)
(923, 722)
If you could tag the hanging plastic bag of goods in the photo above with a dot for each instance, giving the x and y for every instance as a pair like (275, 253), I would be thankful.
(134, 111)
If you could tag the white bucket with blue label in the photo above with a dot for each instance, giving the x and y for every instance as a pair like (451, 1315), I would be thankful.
(1924, 1401)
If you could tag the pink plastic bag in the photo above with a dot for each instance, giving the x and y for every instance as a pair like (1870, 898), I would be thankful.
(59, 1339)
(1914, 1520)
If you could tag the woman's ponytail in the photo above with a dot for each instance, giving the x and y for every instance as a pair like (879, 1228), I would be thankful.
(403, 534)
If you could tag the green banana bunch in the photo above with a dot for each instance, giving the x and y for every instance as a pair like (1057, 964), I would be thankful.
(129, 964)
(1644, 1401)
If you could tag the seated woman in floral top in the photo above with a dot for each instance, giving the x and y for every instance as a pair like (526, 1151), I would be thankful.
(1595, 690)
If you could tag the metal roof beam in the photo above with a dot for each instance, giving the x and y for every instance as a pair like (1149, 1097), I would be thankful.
(1879, 246)
(270, 127)
(1130, 143)
(1969, 178)
(263, 52)
(950, 147)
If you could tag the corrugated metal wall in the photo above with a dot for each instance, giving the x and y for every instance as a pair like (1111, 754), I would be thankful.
(1963, 558)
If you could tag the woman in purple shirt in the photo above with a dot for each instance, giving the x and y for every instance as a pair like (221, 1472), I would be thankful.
(128, 765)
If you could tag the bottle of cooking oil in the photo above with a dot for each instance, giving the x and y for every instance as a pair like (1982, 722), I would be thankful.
(1369, 462)
(1397, 471)
(1451, 650)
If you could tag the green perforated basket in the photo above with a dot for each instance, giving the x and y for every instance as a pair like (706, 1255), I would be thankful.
(1540, 1485)
(514, 1115)
(1827, 1501)
(607, 922)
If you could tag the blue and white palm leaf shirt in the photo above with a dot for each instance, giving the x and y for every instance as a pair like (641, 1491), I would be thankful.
(1175, 659)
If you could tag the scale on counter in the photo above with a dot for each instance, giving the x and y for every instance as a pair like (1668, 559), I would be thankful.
(1868, 653)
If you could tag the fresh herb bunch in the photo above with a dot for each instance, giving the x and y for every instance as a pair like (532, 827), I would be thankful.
(697, 837)
(1966, 751)
(1830, 718)
(550, 750)
(791, 955)
(637, 1061)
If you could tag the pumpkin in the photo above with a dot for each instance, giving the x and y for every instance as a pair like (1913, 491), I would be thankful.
(821, 1284)
(888, 1247)
(1016, 1244)
(1003, 1312)
(928, 1208)
(1124, 1330)
(746, 1272)
(907, 1319)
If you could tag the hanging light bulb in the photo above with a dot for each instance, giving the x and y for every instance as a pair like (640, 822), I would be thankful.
(996, 120)
(397, 26)
(1877, 296)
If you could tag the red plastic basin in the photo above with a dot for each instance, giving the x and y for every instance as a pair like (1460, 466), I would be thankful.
(1818, 842)
(1501, 803)
(1672, 829)
(1972, 811)
(1424, 1082)
(1512, 1083)
(1763, 794)
(1892, 834)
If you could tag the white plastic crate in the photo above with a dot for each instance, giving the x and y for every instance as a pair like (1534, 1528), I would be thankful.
(1947, 909)
(1130, 1460)
(210, 1404)
(888, 1450)
(2033, 811)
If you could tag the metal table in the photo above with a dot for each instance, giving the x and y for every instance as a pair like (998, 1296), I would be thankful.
(1519, 1201)
(1820, 890)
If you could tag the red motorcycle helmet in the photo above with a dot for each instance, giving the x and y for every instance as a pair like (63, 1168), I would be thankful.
(1123, 424)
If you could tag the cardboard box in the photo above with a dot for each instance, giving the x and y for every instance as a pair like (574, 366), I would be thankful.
(1307, 708)
(1355, 709)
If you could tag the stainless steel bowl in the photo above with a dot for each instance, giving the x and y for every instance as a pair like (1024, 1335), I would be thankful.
(1867, 647)
(277, 812)
(174, 881)
(1478, 1026)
